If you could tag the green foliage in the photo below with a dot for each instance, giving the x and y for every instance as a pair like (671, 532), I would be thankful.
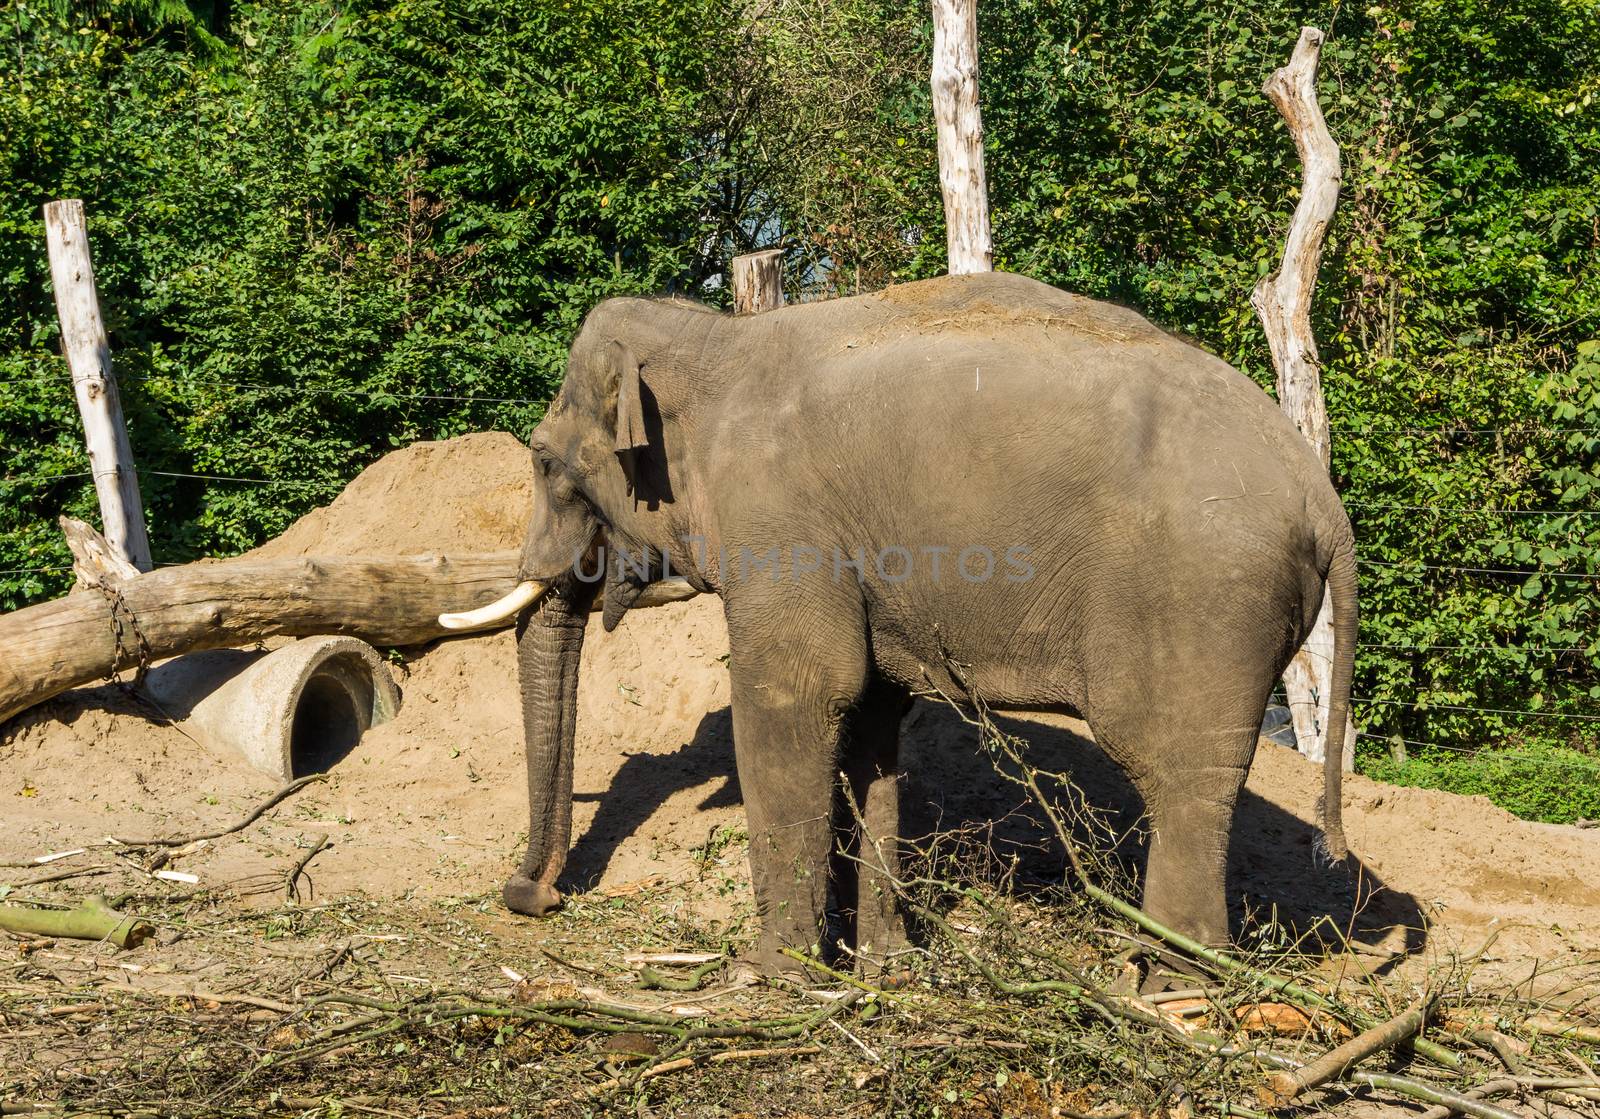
(323, 231)
(1549, 783)
(355, 228)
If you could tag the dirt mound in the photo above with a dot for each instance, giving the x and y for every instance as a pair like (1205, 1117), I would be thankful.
(468, 494)
(433, 804)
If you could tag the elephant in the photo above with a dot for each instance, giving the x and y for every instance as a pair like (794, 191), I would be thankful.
(1085, 513)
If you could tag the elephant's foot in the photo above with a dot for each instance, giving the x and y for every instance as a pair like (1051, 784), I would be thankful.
(767, 960)
(882, 946)
(533, 899)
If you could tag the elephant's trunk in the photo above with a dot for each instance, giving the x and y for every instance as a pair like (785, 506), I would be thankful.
(549, 649)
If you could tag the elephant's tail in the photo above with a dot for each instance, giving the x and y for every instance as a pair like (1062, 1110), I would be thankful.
(1341, 584)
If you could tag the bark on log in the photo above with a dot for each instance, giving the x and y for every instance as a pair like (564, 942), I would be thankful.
(124, 622)
(959, 123)
(1283, 303)
(88, 353)
(757, 282)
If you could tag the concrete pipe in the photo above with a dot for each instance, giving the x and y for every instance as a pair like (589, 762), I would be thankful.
(296, 710)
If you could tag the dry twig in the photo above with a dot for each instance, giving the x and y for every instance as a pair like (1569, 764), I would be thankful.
(292, 879)
(260, 810)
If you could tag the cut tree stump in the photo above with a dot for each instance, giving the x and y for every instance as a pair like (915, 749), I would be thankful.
(757, 282)
(124, 621)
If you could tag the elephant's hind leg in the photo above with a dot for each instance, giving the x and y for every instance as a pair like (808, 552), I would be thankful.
(1188, 758)
(869, 823)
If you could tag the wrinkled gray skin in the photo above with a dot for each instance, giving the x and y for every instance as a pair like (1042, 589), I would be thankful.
(1180, 530)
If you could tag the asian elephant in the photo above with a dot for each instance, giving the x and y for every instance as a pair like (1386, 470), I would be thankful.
(1085, 513)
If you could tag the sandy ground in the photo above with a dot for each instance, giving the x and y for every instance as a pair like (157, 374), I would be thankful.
(432, 805)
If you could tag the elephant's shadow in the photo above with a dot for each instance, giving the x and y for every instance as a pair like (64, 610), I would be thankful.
(952, 787)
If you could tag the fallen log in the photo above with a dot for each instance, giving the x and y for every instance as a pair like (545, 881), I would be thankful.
(90, 635)
(120, 620)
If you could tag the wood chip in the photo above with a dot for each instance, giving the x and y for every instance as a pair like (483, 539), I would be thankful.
(1273, 1018)
(670, 959)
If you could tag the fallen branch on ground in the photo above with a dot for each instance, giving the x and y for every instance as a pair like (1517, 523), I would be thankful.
(61, 875)
(1431, 1093)
(721, 1057)
(1560, 1027)
(94, 919)
(260, 810)
(670, 959)
(577, 1015)
(652, 980)
(290, 887)
(219, 997)
(1284, 1086)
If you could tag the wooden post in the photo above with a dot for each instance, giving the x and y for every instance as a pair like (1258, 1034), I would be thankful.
(1283, 302)
(960, 129)
(757, 281)
(88, 353)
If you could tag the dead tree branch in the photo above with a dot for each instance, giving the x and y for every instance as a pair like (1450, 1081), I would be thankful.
(1283, 302)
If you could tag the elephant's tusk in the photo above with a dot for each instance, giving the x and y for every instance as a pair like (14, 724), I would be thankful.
(674, 588)
(524, 595)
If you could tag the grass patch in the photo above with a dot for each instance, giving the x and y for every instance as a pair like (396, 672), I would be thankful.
(1548, 783)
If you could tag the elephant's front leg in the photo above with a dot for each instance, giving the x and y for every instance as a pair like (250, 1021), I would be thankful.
(789, 703)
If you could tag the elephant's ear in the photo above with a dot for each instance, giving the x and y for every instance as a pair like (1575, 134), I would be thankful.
(630, 409)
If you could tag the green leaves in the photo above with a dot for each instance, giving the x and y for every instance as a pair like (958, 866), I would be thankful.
(350, 229)
(345, 228)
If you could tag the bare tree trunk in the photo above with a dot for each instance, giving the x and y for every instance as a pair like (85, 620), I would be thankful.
(960, 127)
(757, 282)
(88, 352)
(1283, 302)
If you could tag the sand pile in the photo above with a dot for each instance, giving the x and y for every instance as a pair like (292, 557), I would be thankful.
(433, 804)
(459, 495)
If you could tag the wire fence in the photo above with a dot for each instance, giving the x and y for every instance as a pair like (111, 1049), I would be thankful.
(251, 389)
(1583, 765)
(1484, 511)
(1362, 431)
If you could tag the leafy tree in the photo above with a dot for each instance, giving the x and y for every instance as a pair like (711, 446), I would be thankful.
(325, 230)
(357, 227)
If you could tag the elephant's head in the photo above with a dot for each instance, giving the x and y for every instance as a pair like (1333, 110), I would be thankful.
(600, 502)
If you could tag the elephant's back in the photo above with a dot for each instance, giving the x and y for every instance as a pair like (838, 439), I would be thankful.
(1085, 478)
(950, 398)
